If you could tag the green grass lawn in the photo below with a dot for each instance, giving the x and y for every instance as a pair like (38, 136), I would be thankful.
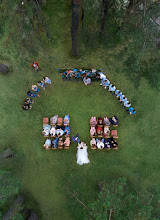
(46, 175)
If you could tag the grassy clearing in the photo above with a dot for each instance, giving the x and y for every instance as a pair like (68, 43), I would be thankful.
(46, 175)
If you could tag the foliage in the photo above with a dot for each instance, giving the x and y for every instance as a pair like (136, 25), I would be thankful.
(9, 186)
(116, 200)
(18, 216)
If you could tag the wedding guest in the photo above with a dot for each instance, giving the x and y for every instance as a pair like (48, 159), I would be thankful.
(100, 143)
(47, 144)
(47, 80)
(35, 88)
(114, 120)
(41, 84)
(29, 101)
(86, 80)
(55, 143)
(26, 107)
(32, 94)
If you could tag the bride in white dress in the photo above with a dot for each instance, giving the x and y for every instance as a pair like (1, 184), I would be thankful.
(82, 154)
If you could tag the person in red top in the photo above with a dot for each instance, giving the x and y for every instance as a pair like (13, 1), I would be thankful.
(36, 66)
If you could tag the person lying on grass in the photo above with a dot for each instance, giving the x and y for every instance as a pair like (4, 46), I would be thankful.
(35, 88)
(29, 101)
(47, 80)
(26, 107)
(32, 94)
(41, 84)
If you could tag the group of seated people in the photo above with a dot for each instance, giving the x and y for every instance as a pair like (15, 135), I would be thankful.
(118, 94)
(58, 142)
(104, 143)
(83, 74)
(59, 129)
(101, 128)
(36, 89)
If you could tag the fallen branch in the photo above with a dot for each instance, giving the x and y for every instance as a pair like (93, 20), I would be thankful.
(78, 200)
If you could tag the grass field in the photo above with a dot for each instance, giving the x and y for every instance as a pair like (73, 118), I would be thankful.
(46, 175)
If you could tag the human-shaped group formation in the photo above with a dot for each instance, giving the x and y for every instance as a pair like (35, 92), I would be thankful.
(88, 75)
(36, 89)
(59, 130)
(102, 135)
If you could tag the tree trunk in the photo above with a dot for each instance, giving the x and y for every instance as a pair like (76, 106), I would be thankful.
(75, 23)
(14, 208)
(105, 4)
(8, 153)
(4, 69)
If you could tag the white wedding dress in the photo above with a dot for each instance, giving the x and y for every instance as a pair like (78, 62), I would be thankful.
(82, 154)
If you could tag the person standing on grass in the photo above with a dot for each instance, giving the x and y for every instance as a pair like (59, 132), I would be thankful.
(36, 66)
(35, 88)
(76, 138)
(32, 94)
(112, 88)
(86, 80)
(131, 111)
(41, 84)
(47, 80)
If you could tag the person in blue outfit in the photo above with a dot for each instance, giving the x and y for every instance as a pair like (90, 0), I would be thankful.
(126, 104)
(55, 143)
(118, 95)
(122, 98)
(131, 111)
(29, 101)
(67, 130)
(76, 138)
(32, 94)
(66, 120)
(114, 120)
(107, 144)
(116, 92)
(112, 88)
(41, 84)
(35, 88)
(105, 83)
